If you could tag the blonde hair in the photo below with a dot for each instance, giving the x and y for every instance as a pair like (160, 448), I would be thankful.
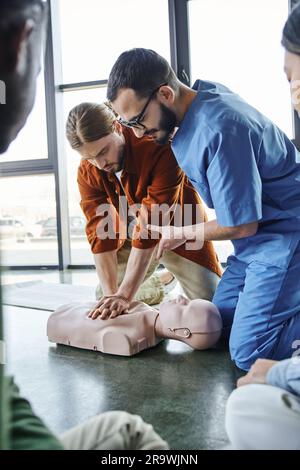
(88, 122)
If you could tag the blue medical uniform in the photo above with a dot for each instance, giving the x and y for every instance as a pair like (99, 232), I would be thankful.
(248, 170)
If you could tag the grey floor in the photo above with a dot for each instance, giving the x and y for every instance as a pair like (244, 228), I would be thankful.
(180, 391)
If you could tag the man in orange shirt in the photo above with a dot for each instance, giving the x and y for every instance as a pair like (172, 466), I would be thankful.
(116, 165)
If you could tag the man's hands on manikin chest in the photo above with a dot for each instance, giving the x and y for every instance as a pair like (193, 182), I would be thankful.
(116, 301)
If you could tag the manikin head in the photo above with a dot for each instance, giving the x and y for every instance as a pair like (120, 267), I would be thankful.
(93, 130)
(195, 322)
(291, 43)
(21, 36)
(142, 88)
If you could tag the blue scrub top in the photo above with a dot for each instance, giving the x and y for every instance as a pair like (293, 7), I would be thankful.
(245, 168)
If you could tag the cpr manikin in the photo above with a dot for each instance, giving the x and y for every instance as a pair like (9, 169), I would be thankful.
(195, 322)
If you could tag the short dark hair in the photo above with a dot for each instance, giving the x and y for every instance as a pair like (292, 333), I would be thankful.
(13, 11)
(142, 70)
(291, 31)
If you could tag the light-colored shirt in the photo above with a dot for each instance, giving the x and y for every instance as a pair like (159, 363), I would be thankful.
(286, 375)
(118, 175)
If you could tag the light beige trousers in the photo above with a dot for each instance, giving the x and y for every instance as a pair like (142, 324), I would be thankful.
(114, 430)
(196, 281)
(263, 417)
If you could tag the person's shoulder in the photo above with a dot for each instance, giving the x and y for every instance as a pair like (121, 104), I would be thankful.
(88, 173)
(84, 168)
(225, 110)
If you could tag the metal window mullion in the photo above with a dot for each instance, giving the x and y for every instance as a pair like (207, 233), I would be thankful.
(56, 125)
(68, 87)
(26, 168)
(179, 39)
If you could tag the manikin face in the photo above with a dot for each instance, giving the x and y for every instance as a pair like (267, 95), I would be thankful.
(292, 70)
(158, 119)
(195, 316)
(106, 153)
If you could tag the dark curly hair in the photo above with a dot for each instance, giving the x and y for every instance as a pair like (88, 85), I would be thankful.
(291, 31)
(142, 70)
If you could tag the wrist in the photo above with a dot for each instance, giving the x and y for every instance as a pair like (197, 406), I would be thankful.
(124, 294)
(110, 291)
(188, 233)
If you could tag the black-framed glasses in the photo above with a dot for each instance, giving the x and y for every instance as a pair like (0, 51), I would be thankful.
(136, 122)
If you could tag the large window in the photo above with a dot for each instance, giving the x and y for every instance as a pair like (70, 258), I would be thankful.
(28, 223)
(31, 143)
(237, 43)
(28, 227)
(94, 33)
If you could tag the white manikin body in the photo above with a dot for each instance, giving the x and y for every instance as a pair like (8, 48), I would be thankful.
(124, 335)
(196, 322)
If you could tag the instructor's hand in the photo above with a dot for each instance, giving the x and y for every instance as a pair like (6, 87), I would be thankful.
(258, 372)
(110, 306)
(171, 238)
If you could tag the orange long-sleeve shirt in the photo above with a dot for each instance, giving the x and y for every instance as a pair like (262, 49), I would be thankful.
(150, 176)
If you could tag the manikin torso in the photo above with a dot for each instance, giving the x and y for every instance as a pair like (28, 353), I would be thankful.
(197, 323)
(124, 335)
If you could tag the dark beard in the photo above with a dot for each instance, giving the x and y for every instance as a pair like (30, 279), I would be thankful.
(167, 124)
